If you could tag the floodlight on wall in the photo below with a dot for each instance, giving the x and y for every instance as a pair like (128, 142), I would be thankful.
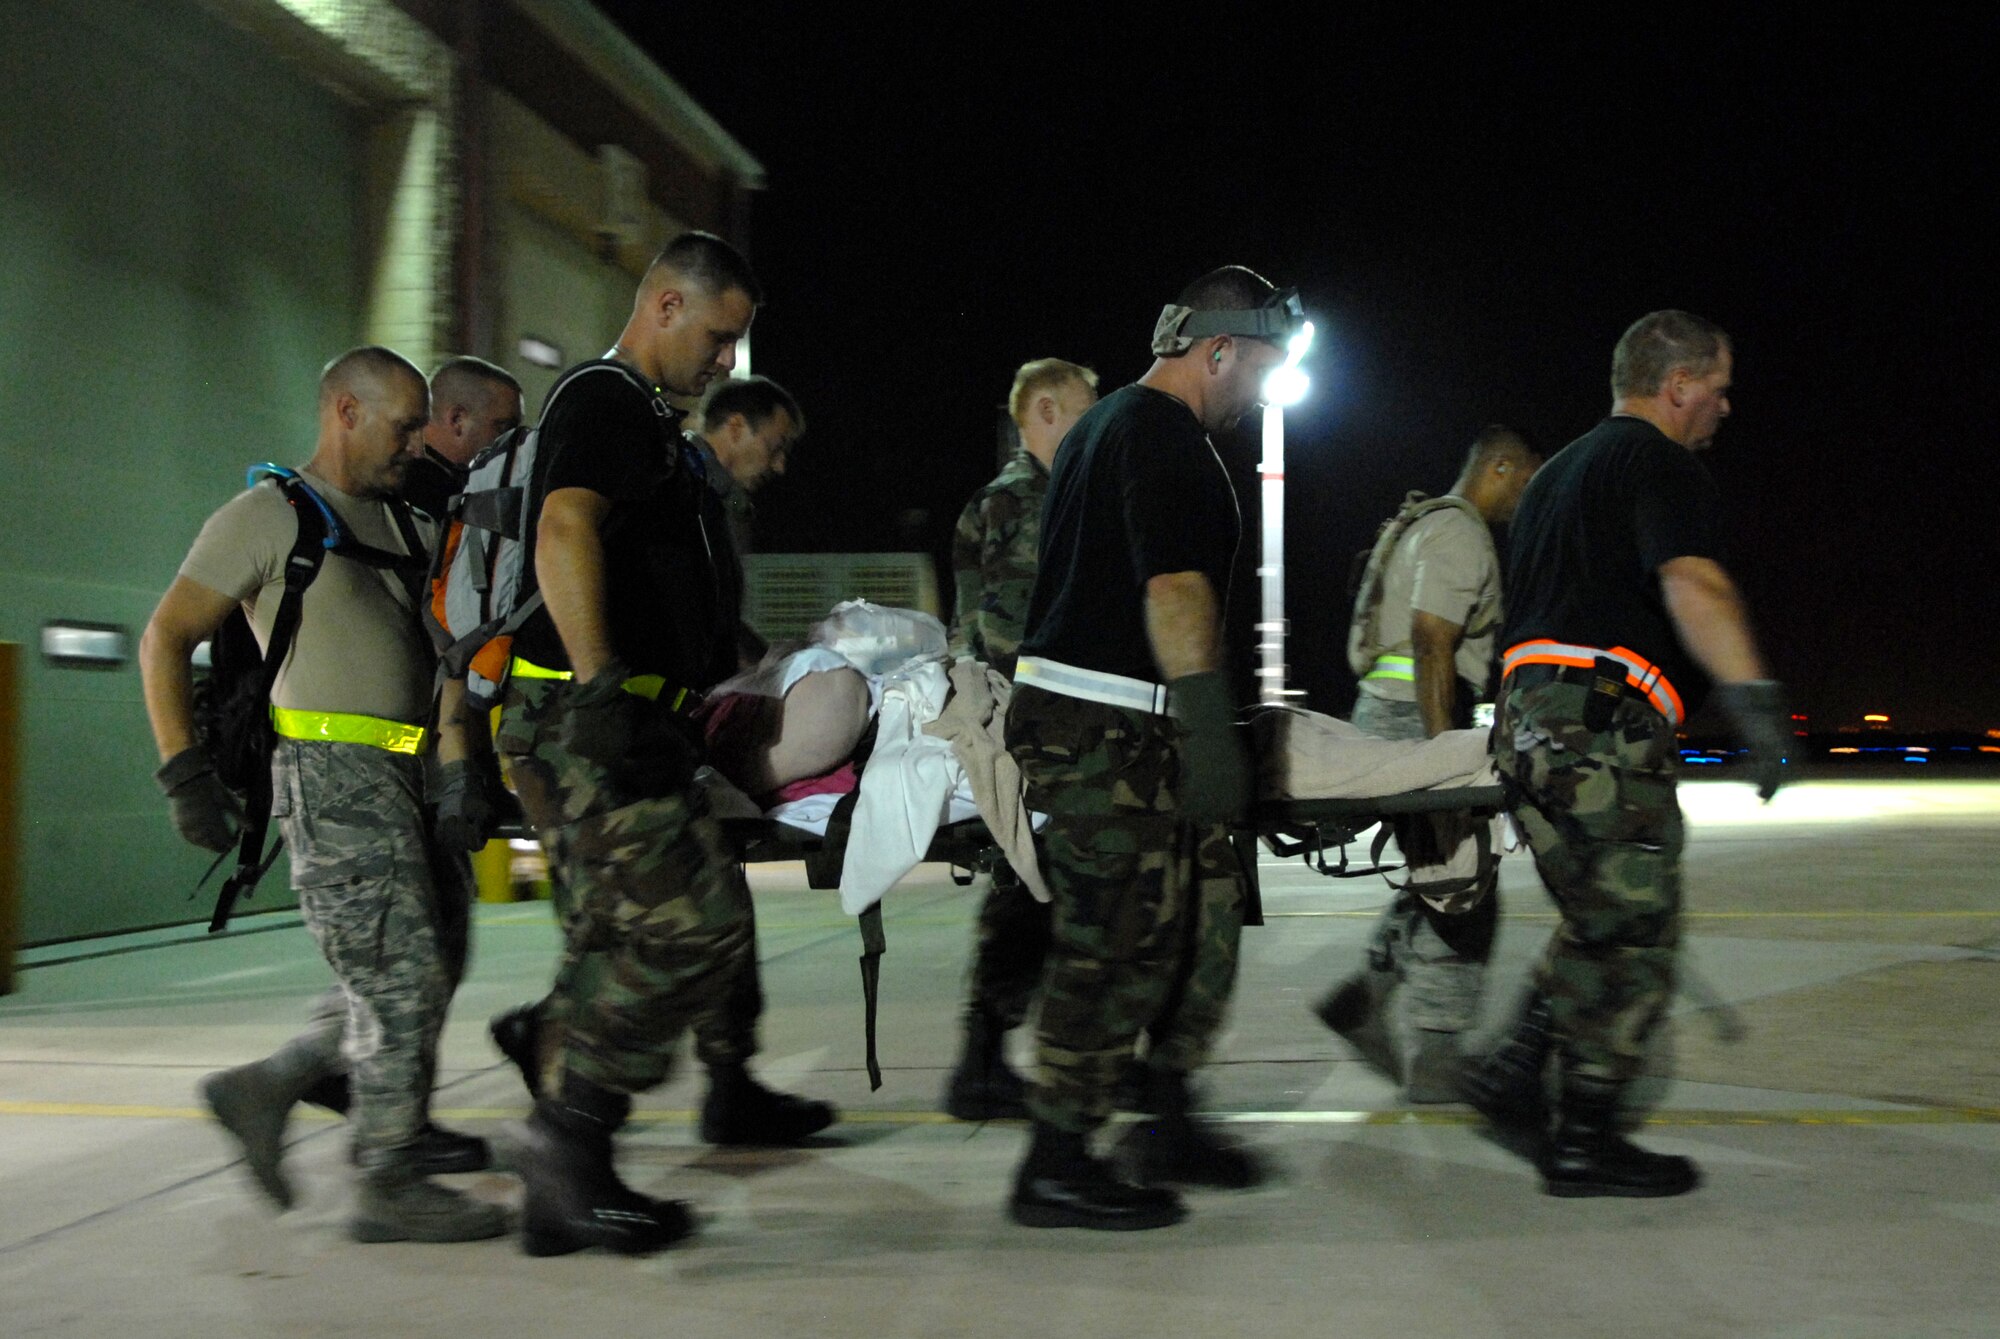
(539, 352)
(77, 645)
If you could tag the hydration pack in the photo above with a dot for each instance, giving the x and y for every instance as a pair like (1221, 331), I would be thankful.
(483, 577)
(1364, 630)
(233, 701)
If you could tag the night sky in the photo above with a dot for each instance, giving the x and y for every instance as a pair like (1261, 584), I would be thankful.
(1474, 214)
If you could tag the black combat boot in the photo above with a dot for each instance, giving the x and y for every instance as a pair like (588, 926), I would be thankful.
(985, 1086)
(574, 1199)
(518, 1035)
(437, 1152)
(1176, 1147)
(1505, 1086)
(741, 1112)
(1588, 1155)
(1061, 1185)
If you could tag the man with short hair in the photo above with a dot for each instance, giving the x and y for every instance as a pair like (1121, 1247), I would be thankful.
(748, 427)
(472, 403)
(993, 567)
(659, 934)
(349, 708)
(1124, 724)
(1421, 639)
(1620, 616)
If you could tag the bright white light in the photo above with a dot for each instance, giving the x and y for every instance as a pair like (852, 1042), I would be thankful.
(1285, 386)
(1296, 347)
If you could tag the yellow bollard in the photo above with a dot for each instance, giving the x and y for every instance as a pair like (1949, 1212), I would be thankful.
(492, 871)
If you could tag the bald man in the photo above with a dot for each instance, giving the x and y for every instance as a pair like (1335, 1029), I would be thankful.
(349, 709)
(472, 403)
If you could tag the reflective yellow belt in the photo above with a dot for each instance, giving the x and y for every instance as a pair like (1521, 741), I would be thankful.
(1394, 667)
(639, 685)
(339, 727)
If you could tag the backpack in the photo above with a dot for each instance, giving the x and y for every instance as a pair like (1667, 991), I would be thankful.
(1366, 572)
(233, 702)
(483, 576)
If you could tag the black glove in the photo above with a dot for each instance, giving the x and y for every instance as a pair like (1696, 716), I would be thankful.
(635, 740)
(204, 811)
(468, 801)
(1763, 722)
(1215, 767)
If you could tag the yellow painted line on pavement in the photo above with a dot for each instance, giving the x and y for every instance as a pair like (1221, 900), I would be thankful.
(1909, 1116)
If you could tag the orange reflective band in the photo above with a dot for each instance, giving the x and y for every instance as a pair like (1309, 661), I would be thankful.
(1640, 673)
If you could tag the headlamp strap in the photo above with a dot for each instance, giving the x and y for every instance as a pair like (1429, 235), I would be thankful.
(1179, 327)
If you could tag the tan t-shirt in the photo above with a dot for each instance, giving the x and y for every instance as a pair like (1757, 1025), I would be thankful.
(1444, 564)
(361, 647)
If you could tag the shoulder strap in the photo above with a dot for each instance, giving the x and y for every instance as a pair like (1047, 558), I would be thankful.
(302, 564)
(1364, 638)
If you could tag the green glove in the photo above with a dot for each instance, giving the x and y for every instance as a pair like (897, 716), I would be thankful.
(635, 740)
(205, 812)
(1215, 777)
(1763, 721)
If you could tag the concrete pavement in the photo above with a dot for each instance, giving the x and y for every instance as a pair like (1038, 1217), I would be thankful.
(1833, 1073)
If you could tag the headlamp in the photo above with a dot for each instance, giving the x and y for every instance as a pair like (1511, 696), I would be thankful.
(1277, 319)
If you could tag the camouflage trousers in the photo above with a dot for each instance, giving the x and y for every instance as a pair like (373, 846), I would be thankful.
(1437, 948)
(1598, 810)
(1009, 947)
(364, 869)
(658, 933)
(1148, 909)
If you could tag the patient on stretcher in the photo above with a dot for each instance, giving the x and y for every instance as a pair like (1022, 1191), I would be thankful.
(798, 732)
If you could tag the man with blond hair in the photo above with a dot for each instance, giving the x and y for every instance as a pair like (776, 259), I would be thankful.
(993, 565)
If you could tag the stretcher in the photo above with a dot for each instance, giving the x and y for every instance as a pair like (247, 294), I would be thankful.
(1309, 829)
(1318, 831)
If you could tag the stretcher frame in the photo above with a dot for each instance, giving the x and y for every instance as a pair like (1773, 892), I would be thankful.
(1305, 828)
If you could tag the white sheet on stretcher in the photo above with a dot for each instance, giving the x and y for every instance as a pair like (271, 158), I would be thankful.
(912, 784)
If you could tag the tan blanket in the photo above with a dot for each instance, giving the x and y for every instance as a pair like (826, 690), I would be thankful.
(1302, 755)
(974, 723)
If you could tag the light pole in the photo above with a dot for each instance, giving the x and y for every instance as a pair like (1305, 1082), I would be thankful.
(1286, 385)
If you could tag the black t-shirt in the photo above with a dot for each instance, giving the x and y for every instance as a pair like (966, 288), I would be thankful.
(1588, 539)
(1137, 491)
(668, 611)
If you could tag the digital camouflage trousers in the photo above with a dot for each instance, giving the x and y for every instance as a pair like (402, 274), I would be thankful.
(1148, 909)
(1598, 809)
(1436, 947)
(389, 920)
(658, 934)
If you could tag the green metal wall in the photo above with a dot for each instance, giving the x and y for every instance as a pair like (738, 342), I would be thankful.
(179, 253)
